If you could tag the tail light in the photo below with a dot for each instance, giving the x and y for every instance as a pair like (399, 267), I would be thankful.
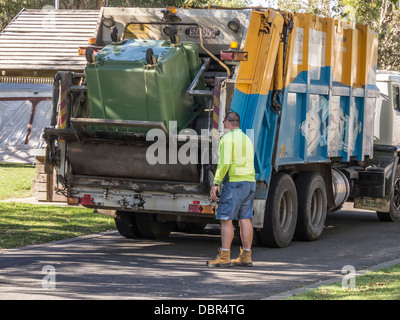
(229, 55)
(198, 208)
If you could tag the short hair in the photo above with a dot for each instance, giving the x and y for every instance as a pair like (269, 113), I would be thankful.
(232, 116)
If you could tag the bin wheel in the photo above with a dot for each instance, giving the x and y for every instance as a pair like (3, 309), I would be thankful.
(150, 58)
(280, 212)
(172, 35)
(114, 34)
(89, 55)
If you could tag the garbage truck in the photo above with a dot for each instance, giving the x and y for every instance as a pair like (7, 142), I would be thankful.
(137, 133)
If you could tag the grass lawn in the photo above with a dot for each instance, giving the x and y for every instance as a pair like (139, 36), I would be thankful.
(382, 284)
(26, 224)
(16, 180)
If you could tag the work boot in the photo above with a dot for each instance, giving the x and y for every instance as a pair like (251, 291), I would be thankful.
(223, 259)
(244, 259)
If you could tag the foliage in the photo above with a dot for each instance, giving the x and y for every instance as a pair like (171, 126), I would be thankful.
(221, 3)
(383, 16)
(319, 7)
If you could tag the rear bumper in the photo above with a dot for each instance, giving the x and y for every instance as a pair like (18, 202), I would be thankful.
(140, 196)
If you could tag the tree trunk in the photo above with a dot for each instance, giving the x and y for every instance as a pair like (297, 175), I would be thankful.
(77, 4)
(100, 3)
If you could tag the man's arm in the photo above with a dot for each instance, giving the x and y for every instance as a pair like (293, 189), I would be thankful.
(225, 159)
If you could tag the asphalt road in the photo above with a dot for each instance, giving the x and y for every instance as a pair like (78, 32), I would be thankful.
(108, 266)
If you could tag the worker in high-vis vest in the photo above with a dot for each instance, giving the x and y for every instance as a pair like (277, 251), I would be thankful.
(236, 173)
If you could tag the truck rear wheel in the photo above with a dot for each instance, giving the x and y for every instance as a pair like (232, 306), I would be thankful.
(150, 228)
(126, 224)
(280, 212)
(394, 213)
(312, 205)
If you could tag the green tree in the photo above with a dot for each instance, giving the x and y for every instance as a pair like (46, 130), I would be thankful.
(221, 3)
(383, 16)
(319, 7)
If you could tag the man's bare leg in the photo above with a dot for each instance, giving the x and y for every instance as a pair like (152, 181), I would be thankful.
(246, 233)
(227, 234)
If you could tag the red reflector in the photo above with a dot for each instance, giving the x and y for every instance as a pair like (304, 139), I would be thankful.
(86, 200)
(196, 202)
(195, 208)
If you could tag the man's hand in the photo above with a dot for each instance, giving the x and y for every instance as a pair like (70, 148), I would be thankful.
(213, 193)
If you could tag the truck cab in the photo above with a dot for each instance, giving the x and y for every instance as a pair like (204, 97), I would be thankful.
(387, 115)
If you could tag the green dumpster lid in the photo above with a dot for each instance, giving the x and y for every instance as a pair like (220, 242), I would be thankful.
(133, 51)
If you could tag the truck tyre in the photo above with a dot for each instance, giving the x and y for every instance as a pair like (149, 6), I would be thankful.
(150, 228)
(280, 212)
(394, 213)
(312, 206)
(126, 224)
